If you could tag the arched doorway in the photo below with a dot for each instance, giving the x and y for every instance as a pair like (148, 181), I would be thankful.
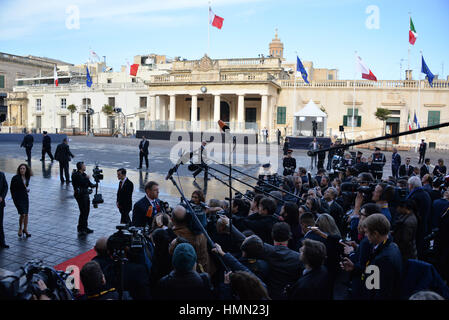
(224, 111)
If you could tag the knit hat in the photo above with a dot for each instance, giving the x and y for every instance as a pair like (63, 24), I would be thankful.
(184, 257)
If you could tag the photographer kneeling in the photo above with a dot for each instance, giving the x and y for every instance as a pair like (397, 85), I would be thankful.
(81, 185)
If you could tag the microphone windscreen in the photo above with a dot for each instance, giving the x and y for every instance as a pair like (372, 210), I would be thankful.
(222, 125)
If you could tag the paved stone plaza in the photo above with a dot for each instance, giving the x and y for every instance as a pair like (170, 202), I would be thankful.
(54, 212)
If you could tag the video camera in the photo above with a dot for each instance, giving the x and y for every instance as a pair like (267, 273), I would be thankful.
(23, 284)
(97, 174)
(131, 238)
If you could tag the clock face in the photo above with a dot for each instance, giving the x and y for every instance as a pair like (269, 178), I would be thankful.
(203, 89)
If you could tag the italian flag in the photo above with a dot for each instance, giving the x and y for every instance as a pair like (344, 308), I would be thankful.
(55, 75)
(409, 123)
(412, 35)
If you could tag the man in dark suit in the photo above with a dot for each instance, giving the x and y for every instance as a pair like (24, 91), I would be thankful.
(3, 192)
(63, 155)
(335, 210)
(146, 208)
(395, 162)
(285, 266)
(124, 195)
(422, 151)
(424, 203)
(406, 170)
(27, 143)
(143, 147)
(425, 169)
(313, 146)
(46, 147)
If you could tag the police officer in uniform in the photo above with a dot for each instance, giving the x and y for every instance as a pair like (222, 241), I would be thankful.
(46, 146)
(27, 143)
(289, 164)
(377, 166)
(81, 185)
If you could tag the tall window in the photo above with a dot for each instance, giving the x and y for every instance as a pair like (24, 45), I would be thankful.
(433, 118)
(2, 81)
(143, 102)
(111, 101)
(281, 115)
(63, 103)
(85, 101)
(347, 119)
(38, 105)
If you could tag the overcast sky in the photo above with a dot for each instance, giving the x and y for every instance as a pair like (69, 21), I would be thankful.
(326, 32)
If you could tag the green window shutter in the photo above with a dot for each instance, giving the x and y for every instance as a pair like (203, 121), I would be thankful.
(2, 81)
(345, 121)
(349, 113)
(359, 121)
(281, 115)
(433, 118)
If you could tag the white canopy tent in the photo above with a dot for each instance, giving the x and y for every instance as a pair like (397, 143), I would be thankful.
(302, 120)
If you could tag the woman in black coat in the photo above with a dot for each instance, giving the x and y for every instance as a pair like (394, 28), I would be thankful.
(19, 192)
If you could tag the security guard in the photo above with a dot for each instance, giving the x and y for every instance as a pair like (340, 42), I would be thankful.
(377, 166)
(289, 163)
(81, 185)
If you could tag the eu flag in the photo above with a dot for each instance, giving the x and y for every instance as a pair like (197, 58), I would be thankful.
(425, 69)
(88, 78)
(300, 68)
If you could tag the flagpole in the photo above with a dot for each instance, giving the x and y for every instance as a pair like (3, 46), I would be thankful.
(419, 97)
(208, 30)
(353, 98)
(294, 93)
(85, 98)
(409, 45)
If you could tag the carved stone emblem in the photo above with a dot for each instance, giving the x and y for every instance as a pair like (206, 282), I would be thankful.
(205, 64)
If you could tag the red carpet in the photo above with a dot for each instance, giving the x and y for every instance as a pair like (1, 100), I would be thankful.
(78, 261)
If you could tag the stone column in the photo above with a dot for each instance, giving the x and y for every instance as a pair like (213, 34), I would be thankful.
(263, 111)
(194, 109)
(158, 108)
(172, 111)
(216, 108)
(241, 111)
(151, 109)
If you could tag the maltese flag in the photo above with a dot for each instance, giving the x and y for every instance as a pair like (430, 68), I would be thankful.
(55, 75)
(215, 20)
(364, 70)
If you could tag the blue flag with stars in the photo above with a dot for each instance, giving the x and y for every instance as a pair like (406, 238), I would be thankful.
(300, 68)
(425, 69)
(88, 78)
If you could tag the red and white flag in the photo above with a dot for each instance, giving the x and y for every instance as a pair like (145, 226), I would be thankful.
(364, 70)
(133, 69)
(55, 75)
(215, 20)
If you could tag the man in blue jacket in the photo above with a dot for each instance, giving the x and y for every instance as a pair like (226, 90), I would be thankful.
(385, 284)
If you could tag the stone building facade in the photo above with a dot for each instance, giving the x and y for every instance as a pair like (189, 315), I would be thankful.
(249, 94)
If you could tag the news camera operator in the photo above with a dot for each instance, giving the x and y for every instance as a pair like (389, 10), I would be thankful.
(81, 186)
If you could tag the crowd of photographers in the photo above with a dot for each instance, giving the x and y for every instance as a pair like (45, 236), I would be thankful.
(338, 235)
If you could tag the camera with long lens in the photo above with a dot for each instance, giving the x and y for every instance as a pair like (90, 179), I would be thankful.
(23, 284)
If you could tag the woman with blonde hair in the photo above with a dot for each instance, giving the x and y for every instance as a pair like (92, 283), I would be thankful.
(326, 223)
